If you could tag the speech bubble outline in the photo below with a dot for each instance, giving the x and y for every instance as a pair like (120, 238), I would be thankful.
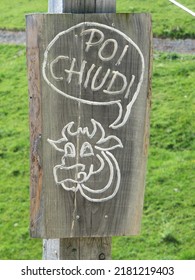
(115, 124)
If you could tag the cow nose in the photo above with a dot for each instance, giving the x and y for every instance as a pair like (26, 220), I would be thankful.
(81, 174)
(71, 173)
(78, 171)
(77, 168)
(80, 167)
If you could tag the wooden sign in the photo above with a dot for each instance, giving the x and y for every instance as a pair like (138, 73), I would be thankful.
(89, 86)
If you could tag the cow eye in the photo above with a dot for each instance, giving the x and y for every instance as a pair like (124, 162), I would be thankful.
(69, 149)
(86, 150)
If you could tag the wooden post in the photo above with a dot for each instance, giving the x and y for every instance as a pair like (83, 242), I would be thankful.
(82, 6)
(95, 248)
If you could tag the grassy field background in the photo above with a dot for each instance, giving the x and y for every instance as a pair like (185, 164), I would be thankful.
(168, 220)
(168, 20)
(168, 223)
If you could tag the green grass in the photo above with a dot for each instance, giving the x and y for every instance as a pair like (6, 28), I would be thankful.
(15, 242)
(168, 20)
(14, 11)
(168, 223)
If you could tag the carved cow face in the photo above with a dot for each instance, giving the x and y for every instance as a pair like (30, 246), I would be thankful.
(85, 157)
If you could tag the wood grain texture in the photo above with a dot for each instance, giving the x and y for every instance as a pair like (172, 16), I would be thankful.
(55, 6)
(36, 171)
(94, 248)
(57, 248)
(68, 214)
(90, 6)
(82, 6)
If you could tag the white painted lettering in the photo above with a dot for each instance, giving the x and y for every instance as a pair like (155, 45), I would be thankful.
(72, 71)
(96, 72)
(122, 55)
(56, 60)
(114, 77)
(88, 75)
(115, 48)
(129, 87)
(95, 78)
(93, 35)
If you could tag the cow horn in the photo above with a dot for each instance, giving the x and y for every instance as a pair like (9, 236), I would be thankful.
(67, 129)
(97, 129)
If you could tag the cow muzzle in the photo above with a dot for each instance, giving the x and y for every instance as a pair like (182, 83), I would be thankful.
(76, 173)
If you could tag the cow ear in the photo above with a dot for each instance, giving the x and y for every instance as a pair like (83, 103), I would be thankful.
(58, 145)
(109, 143)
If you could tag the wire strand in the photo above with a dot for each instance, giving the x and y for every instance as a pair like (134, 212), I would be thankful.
(183, 7)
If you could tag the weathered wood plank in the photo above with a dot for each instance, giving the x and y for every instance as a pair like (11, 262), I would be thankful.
(55, 6)
(82, 6)
(51, 249)
(85, 213)
(35, 110)
(94, 248)
(56, 249)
